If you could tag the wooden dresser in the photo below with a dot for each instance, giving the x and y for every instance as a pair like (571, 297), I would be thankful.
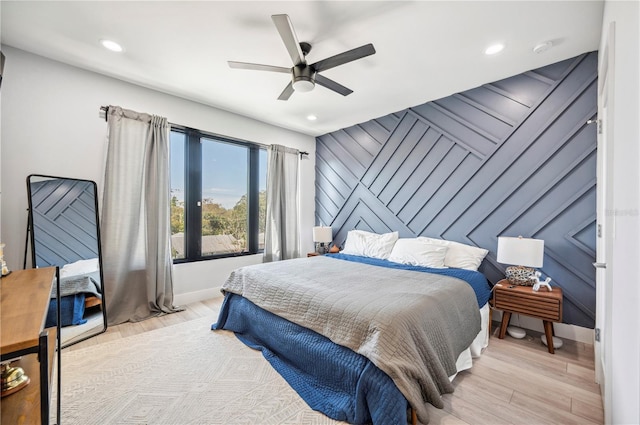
(25, 297)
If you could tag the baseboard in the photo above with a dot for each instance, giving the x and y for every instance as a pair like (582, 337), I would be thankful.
(195, 296)
(562, 330)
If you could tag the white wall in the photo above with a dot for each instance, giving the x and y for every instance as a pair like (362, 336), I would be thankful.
(625, 315)
(50, 125)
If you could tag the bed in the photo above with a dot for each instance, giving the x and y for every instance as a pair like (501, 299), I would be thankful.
(79, 289)
(361, 339)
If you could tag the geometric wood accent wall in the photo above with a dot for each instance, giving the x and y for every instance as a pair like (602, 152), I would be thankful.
(64, 217)
(513, 157)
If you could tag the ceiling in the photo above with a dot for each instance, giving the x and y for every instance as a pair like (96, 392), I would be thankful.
(425, 50)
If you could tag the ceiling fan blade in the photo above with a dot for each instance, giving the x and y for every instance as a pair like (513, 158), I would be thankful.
(288, 35)
(344, 57)
(287, 92)
(258, 67)
(332, 85)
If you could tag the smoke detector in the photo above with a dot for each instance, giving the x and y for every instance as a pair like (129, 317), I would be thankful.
(542, 47)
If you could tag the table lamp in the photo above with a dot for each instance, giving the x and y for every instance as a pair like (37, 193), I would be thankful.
(523, 254)
(322, 236)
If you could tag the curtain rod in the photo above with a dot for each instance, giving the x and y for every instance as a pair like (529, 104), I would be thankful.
(105, 109)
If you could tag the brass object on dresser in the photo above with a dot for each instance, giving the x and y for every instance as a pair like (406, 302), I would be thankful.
(13, 378)
(543, 304)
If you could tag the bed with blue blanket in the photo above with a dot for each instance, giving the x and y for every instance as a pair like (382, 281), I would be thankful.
(75, 290)
(360, 339)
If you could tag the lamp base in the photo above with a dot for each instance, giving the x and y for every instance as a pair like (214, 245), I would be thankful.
(520, 275)
(321, 248)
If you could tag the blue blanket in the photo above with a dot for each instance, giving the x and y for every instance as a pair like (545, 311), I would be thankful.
(330, 378)
(71, 311)
(477, 280)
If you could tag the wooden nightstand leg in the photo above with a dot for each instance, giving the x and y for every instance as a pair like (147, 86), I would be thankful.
(506, 315)
(490, 319)
(548, 331)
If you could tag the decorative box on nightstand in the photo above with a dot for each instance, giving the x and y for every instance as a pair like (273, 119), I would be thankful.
(313, 254)
(543, 304)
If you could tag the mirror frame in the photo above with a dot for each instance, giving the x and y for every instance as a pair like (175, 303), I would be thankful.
(31, 240)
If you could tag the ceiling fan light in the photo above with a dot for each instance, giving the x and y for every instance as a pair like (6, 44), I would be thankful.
(303, 85)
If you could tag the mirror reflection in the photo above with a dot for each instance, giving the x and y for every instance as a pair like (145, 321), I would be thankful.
(65, 232)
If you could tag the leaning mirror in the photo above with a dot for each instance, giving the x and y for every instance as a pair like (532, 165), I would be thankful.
(64, 231)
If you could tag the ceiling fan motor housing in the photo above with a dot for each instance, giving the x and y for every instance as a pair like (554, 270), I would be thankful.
(303, 78)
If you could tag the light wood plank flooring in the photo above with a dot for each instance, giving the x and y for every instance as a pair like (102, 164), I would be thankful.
(514, 382)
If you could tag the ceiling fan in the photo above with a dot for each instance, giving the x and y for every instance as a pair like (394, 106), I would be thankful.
(304, 77)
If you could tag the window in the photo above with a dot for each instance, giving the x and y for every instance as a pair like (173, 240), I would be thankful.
(218, 196)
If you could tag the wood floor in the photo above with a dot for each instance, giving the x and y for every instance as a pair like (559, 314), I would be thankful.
(514, 382)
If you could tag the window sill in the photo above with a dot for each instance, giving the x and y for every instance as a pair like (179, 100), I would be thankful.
(216, 257)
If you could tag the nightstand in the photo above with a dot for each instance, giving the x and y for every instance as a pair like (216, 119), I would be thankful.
(312, 254)
(543, 305)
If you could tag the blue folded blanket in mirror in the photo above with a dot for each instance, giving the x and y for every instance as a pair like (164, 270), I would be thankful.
(71, 311)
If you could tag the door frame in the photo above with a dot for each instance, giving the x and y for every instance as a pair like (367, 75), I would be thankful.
(605, 221)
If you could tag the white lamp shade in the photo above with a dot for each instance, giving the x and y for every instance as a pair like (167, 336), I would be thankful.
(520, 251)
(322, 234)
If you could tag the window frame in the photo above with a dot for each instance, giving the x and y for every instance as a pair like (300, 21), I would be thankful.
(193, 194)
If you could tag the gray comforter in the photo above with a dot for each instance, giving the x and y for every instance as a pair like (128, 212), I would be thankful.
(87, 283)
(411, 325)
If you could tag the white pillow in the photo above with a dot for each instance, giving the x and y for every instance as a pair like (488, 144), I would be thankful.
(355, 243)
(460, 255)
(367, 244)
(79, 267)
(418, 252)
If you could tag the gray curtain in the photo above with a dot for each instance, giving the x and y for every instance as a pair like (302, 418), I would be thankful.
(136, 230)
(282, 235)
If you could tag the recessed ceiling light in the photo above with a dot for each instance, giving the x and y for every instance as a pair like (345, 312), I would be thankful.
(493, 49)
(312, 117)
(111, 45)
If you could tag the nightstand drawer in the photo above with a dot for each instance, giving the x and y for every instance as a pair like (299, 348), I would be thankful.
(542, 308)
(522, 299)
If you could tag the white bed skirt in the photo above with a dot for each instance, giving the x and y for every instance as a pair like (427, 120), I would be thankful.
(465, 359)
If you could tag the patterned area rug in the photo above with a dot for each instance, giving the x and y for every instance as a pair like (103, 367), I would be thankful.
(181, 374)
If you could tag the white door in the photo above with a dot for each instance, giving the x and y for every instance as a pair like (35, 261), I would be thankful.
(605, 221)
